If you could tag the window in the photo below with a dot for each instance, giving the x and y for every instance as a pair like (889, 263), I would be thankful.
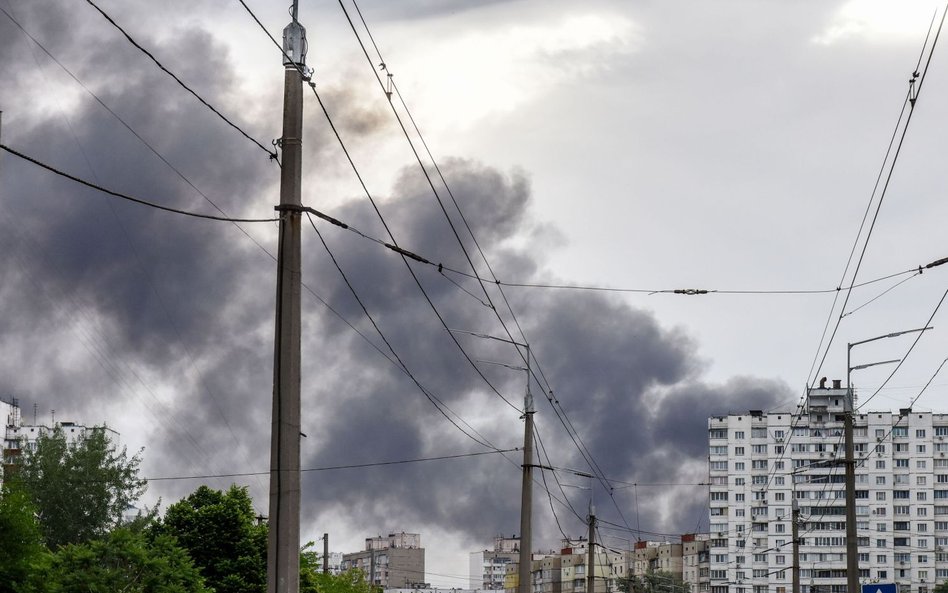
(920, 433)
(759, 449)
(738, 450)
(717, 433)
(921, 512)
(719, 465)
(880, 448)
(758, 433)
(778, 449)
(880, 480)
(719, 496)
(738, 466)
(900, 494)
(880, 543)
(900, 447)
(880, 495)
(880, 464)
(882, 558)
(739, 497)
(880, 433)
(718, 449)
(901, 463)
(921, 496)
(738, 481)
(899, 431)
(778, 481)
(920, 464)
(920, 480)
(759, 464)
(779, 496)
(900, 510)
(778, 465)
(941, 431)
(739, 435)
(919, 448)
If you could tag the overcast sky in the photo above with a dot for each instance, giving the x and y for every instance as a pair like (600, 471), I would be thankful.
(731, 145)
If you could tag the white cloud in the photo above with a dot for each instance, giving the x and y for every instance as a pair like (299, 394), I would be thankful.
(878, 20)
(487, 72)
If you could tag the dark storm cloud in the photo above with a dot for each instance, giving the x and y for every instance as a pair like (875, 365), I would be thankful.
(631, 386)
(191, 302)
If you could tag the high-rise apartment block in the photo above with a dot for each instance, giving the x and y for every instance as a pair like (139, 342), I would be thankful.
(759, 463)
(488, 567)
(393, 562)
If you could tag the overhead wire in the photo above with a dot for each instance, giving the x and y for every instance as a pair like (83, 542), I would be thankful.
(435, 401)
(138, 46)
(561, 412)
(404, 254)
(907, 353)
(87, 337)
(127, 197)
(909, 102)
(128, 127)
(912, 99)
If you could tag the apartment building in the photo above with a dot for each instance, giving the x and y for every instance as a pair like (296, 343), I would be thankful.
(488, 567)
(760, 462)
(396, 561)
(19, 438)
(696, 562)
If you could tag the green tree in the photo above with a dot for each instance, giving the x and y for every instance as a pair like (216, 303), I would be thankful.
(350, 581)
(22, 552)
(219, 531)
(653, 582)
(80, 490)
(124, 560)
(941, 587)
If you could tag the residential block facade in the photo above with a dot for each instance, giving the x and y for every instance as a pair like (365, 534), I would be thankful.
(759, 463)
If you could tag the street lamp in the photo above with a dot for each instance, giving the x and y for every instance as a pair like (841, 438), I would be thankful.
(852, 548)
(849, 348)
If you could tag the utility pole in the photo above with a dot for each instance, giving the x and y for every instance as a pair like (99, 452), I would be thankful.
(591, 550)
(526, 489)
(852, 550)
(325, 553)
(283, 545)
(795, 534)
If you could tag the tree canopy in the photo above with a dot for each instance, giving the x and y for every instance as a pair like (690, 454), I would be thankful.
(219, 531)
(124, 560)
(22, 550)
(80, 490)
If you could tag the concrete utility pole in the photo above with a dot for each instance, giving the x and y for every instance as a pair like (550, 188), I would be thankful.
(526, 490)
(325, 553)
(852, 542)
(283, 546)
(852, 549)
(591, 550)
(795, 534)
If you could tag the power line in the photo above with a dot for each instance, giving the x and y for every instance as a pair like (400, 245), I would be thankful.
(339, 467)
(915, 271)
(912, 97)
(435, 401)
(272, 154)
(116, 194)
(907, 353)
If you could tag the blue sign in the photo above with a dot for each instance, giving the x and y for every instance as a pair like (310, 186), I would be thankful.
(880, 588)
